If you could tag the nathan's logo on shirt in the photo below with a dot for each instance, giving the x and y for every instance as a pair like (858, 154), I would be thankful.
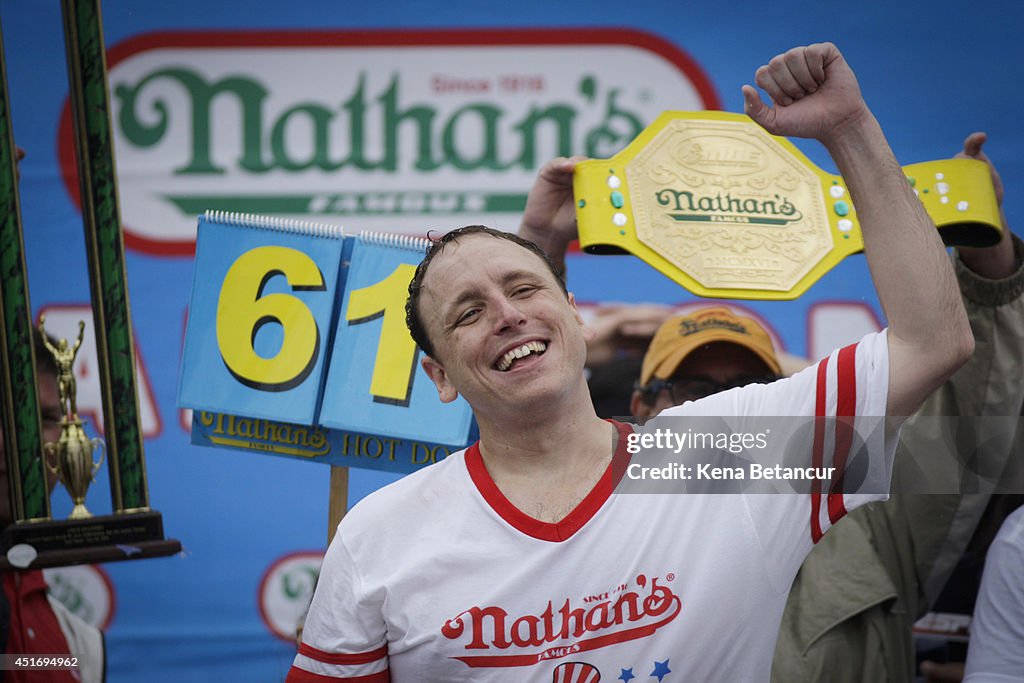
(615, 616)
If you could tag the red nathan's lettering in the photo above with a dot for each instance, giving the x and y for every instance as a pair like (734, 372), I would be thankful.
(493, 627)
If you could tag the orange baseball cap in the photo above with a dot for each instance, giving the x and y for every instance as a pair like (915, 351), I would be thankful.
(681, 335)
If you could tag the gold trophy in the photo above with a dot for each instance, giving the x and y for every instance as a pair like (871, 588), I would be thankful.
(75, 468)
(133, 530)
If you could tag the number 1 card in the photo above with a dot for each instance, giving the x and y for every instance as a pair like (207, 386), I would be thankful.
(375, 383)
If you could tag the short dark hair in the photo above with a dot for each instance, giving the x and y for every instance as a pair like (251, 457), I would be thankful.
(412, 305)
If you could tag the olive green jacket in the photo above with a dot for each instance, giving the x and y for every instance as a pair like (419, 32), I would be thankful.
(858, 593)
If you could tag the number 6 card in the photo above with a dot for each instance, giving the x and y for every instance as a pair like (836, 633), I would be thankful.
(260, 318)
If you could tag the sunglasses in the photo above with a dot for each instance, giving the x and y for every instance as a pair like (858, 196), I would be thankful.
(684, 389)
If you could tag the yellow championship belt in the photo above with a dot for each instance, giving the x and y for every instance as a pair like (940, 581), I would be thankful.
(727, 210)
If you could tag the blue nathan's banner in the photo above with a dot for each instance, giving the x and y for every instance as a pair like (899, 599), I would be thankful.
(425, 117)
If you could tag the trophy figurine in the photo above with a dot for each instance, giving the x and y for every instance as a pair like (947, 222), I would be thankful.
(75, 468)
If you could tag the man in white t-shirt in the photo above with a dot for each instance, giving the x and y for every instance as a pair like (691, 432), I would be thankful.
(514, 561)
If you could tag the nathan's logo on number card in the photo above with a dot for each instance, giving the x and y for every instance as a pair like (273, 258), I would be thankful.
(328, 126)
(575, 625)
(286, 590)
(264, 435)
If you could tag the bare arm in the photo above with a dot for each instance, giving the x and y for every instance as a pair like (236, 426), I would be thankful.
(816, 95)
(549, 219)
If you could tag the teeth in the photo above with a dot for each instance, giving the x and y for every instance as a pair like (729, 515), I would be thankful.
(520, 352)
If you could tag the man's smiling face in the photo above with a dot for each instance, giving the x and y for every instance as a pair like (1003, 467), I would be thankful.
(503, 330)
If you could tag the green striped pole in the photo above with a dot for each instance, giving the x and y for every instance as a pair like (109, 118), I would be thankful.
(90, 106)
(22, 428)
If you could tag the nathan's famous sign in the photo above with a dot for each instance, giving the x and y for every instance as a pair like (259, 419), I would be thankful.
(392, 131)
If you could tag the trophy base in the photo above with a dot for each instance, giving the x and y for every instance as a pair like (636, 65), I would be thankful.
(97, 554)
(128, 530)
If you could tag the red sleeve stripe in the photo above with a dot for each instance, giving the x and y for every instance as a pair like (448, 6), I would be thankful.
(846, 409)
(338, 658)
(819, 447)
(297, 675)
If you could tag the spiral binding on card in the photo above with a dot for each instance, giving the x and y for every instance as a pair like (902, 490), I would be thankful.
(251, 220)
(388, 239)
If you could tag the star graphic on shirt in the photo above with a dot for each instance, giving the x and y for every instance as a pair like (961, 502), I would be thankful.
(626, 675)
(661, 670)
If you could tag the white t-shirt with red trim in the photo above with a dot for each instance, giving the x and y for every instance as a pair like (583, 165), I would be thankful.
(438, 577)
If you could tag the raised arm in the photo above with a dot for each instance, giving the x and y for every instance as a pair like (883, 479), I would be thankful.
(816, 95)
(549, 219)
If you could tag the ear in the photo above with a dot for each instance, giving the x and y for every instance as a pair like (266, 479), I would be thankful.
(641, 411)
(435, 371)
(588, 332)
(575, 309)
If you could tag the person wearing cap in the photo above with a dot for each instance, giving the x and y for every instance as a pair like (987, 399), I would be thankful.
(901, 552)
(905, 549)
(512, 558)
(697, 355)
